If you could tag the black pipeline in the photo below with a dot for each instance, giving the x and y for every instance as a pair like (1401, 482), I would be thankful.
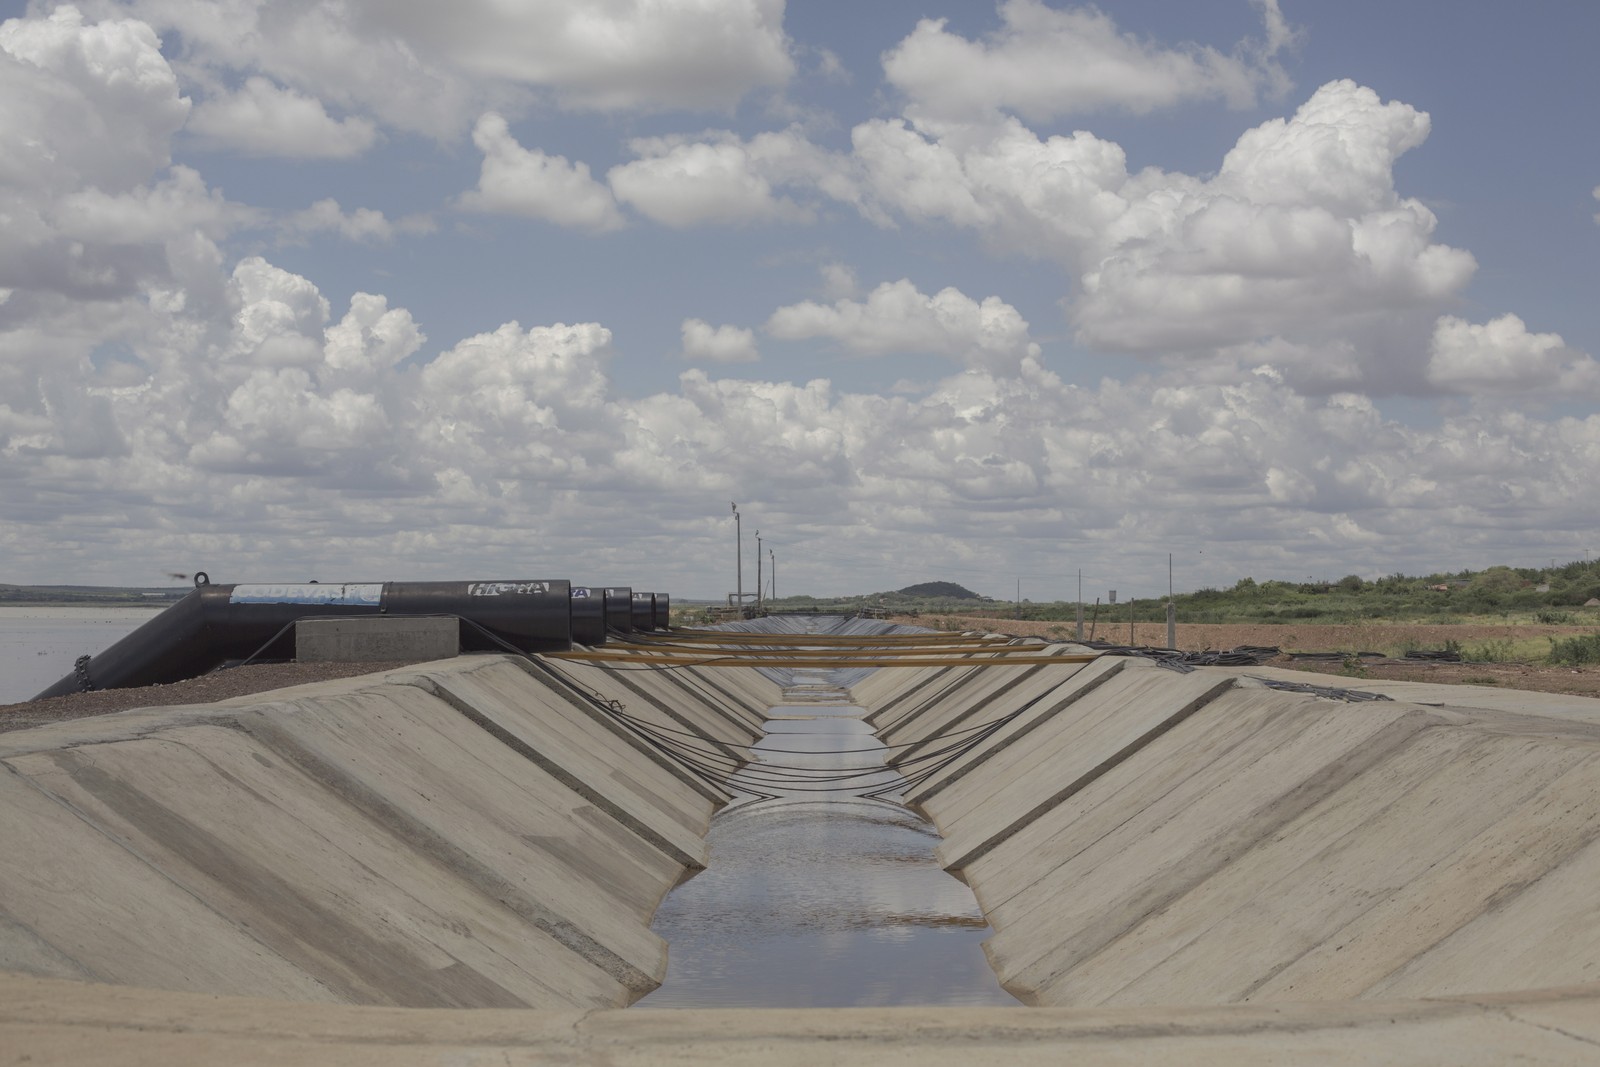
(218, 623)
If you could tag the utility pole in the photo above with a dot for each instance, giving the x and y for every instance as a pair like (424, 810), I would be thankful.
(758, 572)
(774, 560)
(1080, 603)
(738, 562)
(1172, 609)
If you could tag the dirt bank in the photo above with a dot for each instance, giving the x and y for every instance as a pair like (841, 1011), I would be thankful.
(1388, 638)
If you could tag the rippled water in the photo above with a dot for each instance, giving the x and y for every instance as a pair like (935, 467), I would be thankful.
(821, 899)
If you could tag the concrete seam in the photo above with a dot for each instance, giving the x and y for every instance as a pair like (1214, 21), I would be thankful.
(442, 693)
(977, 705)
(458, 862)
(127, 846)
(1510, 1012)
(875, 714)
(951, 688)
(704, 678)
(1106, 765)
(964, 767)
(1256, 830)
(716, 797)
(662, 707)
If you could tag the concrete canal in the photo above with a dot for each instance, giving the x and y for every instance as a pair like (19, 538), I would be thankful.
(822, 890)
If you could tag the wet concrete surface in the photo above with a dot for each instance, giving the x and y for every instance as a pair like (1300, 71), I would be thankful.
(818, 896)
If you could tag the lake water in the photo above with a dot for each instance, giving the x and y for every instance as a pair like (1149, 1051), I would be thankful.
(38, 645)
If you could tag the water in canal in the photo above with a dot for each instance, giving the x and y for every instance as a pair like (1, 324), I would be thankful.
(821, 898)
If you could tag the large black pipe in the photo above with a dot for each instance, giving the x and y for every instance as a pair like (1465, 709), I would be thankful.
(619, 608)
(644, 611)
(216, 623)
(588, 615)
(663, 611)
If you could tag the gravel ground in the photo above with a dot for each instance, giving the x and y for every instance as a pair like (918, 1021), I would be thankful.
(218, 685)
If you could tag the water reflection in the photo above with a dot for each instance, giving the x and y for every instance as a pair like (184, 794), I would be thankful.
(817, 899)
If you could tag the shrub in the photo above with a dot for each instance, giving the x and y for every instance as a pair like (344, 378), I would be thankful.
(1498, 651)
(1575, 650)
(1554, 618)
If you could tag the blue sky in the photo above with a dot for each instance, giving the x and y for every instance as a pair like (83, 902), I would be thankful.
(959, 290)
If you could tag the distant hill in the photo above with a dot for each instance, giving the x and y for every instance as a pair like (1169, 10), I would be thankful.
(940, 590)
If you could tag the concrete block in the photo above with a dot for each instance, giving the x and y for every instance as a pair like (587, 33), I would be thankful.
(375, 639)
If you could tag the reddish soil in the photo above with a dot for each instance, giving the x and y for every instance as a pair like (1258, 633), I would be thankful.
(1389, 638)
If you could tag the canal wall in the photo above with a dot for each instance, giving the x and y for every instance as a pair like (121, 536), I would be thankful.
(1191, 868)
(1138, 836)
(48, 1023)
(478, 832)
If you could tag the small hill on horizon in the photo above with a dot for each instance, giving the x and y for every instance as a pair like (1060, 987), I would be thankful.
(941, 590)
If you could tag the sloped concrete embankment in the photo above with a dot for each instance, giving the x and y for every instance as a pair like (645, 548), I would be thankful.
(1137, 836)
(474, 833)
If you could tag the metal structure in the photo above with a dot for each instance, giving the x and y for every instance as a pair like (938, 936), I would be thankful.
(644, 611)
(217, 623)
(588, 615)
(619, 608)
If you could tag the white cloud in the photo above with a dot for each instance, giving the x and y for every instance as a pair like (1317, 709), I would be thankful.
(895, 317)
(274, 436)
(85, 104)
(838, 281)
(620, 55)
(1045, 62)
(1501, 358)
(720, 180)
(362, 224)
(263, 119)
(1300, 235)
(519, 181)
(321, 50)
(93, 211)
(431, 68)
(721, 344)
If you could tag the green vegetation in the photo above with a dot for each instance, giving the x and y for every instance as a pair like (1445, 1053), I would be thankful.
(939, 591)
(1575, 650)
(1545, 594)
(1551, 596)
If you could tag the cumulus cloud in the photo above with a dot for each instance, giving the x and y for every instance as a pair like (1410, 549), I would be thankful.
(723, 179)
(720, 344)
(424, 68)
(94, 210)
(1501, 357)
(278, 435)
(838, 281)
(896, 317)
(322, 52)
(263, 119)
(86, 104)
(520, 181)
(1045, 62)
(1300, 234)
(362, 224)
(632, 54)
